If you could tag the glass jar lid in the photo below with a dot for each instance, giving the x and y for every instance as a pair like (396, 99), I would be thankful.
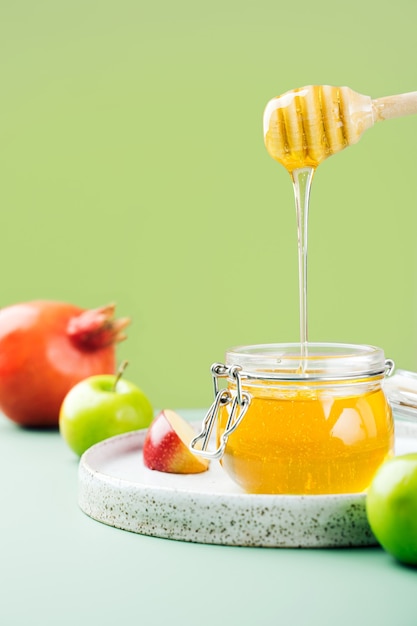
(401, 391)
(324, 361)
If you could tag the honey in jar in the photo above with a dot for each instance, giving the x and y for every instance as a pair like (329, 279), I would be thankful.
(321, 426)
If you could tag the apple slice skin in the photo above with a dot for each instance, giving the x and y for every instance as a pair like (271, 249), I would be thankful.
(165, 451)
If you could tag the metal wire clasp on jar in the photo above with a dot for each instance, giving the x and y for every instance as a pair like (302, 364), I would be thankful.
(239, 405)
(281, 428)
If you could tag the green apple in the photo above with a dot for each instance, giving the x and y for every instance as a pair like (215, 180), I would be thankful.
(391, 506)
(100, 407)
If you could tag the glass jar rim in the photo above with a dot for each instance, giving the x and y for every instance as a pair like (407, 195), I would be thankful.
(323, 361)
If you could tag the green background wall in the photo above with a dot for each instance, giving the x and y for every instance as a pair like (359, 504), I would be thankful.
(133, 170)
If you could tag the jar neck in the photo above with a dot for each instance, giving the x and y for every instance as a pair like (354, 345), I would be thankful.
(340, 387)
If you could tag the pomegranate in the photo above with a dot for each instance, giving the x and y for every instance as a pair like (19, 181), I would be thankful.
(47, 347)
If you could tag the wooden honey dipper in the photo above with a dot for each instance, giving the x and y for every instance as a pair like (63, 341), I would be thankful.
(305, 126)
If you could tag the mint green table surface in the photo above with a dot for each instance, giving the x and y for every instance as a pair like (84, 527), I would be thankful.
(59, 567)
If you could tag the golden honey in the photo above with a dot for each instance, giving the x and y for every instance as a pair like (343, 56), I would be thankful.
(305, 418)
(305, 126)
(315, 434)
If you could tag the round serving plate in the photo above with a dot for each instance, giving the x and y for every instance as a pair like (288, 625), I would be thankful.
(115, 488)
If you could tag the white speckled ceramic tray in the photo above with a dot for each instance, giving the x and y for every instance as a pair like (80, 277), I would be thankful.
(117, 489)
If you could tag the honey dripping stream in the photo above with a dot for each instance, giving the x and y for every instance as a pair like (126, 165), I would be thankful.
(301, 179)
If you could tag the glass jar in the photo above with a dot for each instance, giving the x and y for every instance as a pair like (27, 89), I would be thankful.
(401, 391)
(286, 424)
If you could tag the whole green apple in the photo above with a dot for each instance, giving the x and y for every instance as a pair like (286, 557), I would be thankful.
(391, 506)
(100, 407)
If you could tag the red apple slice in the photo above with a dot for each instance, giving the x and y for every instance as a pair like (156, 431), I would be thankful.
(166, 446)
